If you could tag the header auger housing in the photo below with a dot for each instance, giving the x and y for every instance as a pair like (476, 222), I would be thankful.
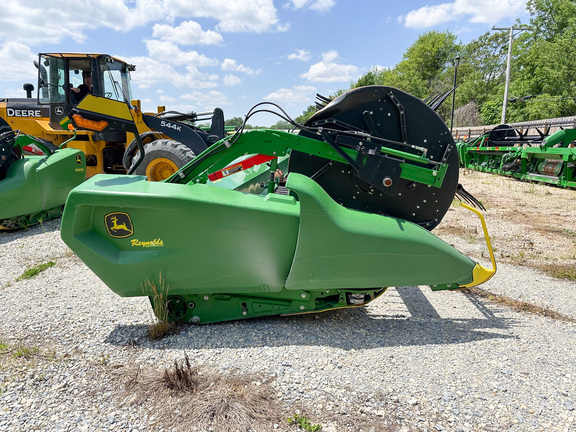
(267, 222)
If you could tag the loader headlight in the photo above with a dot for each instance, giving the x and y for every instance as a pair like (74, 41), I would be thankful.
(84, 123)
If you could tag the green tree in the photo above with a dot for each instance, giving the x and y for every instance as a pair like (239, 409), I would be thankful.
(551, 18)
(372, 77)
(282, 125)
(301, 119)
(490, 112)
(236, 122)
(482, 68)
(545, 83)
(427, 62)
(426, 68)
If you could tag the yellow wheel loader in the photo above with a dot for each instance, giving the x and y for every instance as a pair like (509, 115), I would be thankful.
(41, 159)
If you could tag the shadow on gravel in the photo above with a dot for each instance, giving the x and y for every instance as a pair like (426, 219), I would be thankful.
(48, 226)
(347, 329)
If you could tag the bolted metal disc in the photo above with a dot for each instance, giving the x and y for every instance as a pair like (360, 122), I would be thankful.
(394, 115)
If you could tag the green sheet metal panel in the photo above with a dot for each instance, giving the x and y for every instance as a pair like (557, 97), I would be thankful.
(37, 183)
(199, 238)
(343, 248)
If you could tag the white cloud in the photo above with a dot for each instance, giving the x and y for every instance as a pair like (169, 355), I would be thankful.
(170, 53)
(17, 62)
(231, 80)
(256, 16)
(328, 70)
(302, 55)
(318, 5)
(28, 22)
(36, 22)
(476, 11)
(297, 94)
(206, 100)
(187, 33)
(33, 21)
(233, 66)
(166, 99)
(429, 16)
(196, 79)
(150, 72)
(490, 11)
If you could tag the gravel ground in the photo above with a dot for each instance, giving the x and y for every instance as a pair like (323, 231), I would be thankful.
(414, 359)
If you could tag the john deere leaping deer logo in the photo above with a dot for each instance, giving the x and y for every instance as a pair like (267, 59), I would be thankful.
(119, 224)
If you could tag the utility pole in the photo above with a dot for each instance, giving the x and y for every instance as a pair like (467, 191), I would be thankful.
(511, 29)
(457, 59)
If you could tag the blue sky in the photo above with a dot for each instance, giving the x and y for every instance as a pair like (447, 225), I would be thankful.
(194, 55)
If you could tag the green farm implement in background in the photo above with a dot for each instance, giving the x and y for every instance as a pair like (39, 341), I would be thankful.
(511, 151)
(267, 222)
(34, 188)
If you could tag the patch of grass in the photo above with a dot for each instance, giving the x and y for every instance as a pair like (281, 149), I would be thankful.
(565, 271)
(303, 423)
(21, 351)
(158, 295)
(452, 230)
(569, 232)
(184, 396)
(10, 353)
(104, 359)
(35, 271)
(517, 305)
(531, 189)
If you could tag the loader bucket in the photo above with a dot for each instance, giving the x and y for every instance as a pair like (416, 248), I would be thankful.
(218, 249)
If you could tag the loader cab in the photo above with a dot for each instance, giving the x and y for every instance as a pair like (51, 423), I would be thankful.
(59, 73)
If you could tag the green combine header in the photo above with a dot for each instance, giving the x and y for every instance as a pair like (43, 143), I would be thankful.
(512, 151)
(34, 187)
(267, 222)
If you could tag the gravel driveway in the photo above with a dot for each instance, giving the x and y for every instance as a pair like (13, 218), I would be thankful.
(411, 360)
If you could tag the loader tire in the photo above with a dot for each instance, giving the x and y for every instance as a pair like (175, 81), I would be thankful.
(162, 158)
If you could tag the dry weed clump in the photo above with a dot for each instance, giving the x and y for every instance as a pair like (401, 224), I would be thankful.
(186, 398)
(182, 377)
(183, 397)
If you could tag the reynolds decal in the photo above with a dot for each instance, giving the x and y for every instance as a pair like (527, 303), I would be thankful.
(147, 244)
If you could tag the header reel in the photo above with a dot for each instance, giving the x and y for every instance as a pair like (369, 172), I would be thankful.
(405, 165)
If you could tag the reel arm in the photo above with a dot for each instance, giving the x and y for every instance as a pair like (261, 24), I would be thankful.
(368, 163)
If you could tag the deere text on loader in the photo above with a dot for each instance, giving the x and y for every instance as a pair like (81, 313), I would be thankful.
(348, 214)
